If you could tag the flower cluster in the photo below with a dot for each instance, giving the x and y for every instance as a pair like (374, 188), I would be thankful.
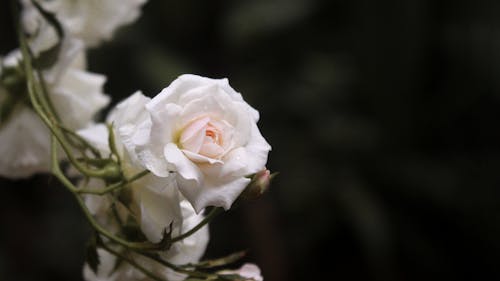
(146, 175)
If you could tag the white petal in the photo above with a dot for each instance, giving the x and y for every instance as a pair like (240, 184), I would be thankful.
(94, 20)
(159, 206)
(78, 97)
(184, 167)
(129, 111)
(96, 135)
(248, 270)
(151, 153)
(178, 87)
(220, 194)
(197, 158)
(193, 135)
(257, 150)
(25, 145)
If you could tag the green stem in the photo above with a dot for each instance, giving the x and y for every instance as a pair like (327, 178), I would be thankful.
(47, 117)
(214, 212)
(133, 263)
(113, 186)
(191, 273)
(56, 170)
(83, 141)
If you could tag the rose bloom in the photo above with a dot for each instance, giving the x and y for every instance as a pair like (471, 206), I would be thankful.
(203, 131)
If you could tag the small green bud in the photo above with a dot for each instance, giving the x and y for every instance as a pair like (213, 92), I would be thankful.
(258, 185)
(112, 172)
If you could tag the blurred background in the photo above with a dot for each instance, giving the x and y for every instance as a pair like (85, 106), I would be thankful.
(383, 117)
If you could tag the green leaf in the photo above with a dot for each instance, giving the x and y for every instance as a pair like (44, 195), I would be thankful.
(118, 262)
(166, 240)
(91, 256)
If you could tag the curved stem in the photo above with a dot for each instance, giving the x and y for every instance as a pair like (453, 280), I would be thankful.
(112, 187)
(214, 212)
(191, 273)
(49, 120)
(83, 141)
(133, 263)
(56, 170)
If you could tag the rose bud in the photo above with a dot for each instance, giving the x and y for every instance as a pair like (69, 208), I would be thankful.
(259, 185)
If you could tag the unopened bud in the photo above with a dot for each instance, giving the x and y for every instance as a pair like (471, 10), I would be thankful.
(112, 172)
(259, 184)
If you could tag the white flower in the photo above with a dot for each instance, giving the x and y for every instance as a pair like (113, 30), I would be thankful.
(205, 132)
(90, 20)
(249, 271)
(76, 95)
(186, 251)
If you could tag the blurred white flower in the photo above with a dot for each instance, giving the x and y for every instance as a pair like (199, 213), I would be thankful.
(249, 271)
(76, 95)
(205, 132)
(92, 21)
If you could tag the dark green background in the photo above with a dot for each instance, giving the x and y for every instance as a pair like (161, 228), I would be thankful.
(383, 117)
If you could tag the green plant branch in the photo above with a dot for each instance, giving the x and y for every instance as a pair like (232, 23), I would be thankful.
(133, 263)
(191, 273)
(56, 170)
(47, 118)
(83, 142)
(112, 187)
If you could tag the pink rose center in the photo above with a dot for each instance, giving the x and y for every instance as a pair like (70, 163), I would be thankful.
(205, 136)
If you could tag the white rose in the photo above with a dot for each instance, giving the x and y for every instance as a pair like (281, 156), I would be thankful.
(249, 271)
(155, 200)
(92, 21)
(205, 132)
(76, 95)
